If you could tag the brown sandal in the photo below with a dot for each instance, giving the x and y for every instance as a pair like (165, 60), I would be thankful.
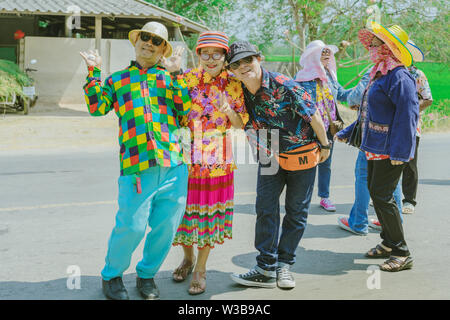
(378, 252)
(180, 274)
(198, 283)
(394, 264)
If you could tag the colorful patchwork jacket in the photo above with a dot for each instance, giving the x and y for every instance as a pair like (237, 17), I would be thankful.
(147, 103)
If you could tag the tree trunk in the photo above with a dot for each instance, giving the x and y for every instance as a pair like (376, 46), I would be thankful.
(299, 26)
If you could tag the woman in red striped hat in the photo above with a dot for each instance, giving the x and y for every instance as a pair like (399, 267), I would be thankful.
(217, 105)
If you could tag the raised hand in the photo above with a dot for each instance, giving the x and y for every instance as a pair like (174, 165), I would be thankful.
(173, 63)
(92, 58)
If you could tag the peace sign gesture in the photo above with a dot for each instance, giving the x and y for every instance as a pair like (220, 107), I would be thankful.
(223, 106)
(173, 63)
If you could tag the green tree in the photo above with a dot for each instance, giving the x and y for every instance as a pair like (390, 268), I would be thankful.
(426, 23)
(338, 21)
(211, 13)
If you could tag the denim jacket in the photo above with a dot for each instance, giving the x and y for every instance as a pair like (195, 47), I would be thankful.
(392, 116)
(338, 91)
(355, 97)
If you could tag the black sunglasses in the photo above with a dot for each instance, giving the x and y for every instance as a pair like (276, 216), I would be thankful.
(145, 36)
(237, 64)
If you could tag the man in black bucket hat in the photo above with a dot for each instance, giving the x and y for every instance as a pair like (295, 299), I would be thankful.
(286, 109)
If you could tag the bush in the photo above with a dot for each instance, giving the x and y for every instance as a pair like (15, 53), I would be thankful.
(437, 116)
(12, 79)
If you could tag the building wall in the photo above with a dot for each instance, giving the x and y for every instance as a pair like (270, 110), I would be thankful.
(61, 70)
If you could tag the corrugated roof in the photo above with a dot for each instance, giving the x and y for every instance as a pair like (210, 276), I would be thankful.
(117, 8)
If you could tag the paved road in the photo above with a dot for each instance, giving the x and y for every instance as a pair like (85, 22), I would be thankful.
(57, 210)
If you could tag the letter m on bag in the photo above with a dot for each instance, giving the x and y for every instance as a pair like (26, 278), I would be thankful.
(303, 160)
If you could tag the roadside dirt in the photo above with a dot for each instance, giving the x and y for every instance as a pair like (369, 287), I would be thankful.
(50, 127)
(54, 128)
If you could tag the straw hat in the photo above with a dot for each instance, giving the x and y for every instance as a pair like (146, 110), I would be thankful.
(155, 28)
(417, 54)
(394, 37)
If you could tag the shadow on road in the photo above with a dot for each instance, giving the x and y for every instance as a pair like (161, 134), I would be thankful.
(437, 182)
(91, 288)
(325, 231)
(316, 262)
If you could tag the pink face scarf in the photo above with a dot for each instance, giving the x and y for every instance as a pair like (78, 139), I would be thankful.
(384, 60)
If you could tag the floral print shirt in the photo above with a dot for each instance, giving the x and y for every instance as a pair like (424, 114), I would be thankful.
(325, 104)
(422, 85)
(423, 90)
(284, 105)
(211, 150)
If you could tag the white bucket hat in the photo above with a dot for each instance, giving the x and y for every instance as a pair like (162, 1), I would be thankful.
(155, 28)
(316, 45)
(312, 67)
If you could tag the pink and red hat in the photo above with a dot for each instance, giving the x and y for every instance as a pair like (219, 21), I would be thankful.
(212, 39)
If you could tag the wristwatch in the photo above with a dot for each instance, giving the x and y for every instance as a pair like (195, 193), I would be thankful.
(327, 147)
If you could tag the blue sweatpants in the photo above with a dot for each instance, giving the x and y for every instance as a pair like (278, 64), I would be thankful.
(161, 205)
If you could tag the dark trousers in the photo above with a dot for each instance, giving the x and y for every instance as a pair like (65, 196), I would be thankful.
(382, 179)
(410, 178)
(275, 248)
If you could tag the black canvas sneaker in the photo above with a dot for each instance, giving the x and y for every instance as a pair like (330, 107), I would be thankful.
(254, 279)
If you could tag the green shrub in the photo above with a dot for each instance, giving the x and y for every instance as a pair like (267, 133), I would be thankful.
(437, 115)
(438, 75)
(12, 79)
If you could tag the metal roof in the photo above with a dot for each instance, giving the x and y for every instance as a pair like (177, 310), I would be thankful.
(107, 8)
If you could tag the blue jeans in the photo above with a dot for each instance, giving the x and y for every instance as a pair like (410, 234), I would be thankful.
(324, 174)
(275, 250)
(161, 206)
(358, 219)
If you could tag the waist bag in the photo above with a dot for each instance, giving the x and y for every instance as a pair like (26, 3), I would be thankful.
(302, 158)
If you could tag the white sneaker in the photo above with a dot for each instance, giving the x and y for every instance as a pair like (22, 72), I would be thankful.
(408, 208)
(285, 280)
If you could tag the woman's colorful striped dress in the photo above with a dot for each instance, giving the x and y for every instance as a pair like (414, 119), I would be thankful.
(209, 211)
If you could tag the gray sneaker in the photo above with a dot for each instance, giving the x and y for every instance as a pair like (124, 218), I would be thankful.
(285, 280)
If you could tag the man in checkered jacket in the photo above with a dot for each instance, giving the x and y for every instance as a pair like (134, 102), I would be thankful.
(153, 176)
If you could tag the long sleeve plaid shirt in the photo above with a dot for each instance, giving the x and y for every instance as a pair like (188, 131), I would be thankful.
(147, 103)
